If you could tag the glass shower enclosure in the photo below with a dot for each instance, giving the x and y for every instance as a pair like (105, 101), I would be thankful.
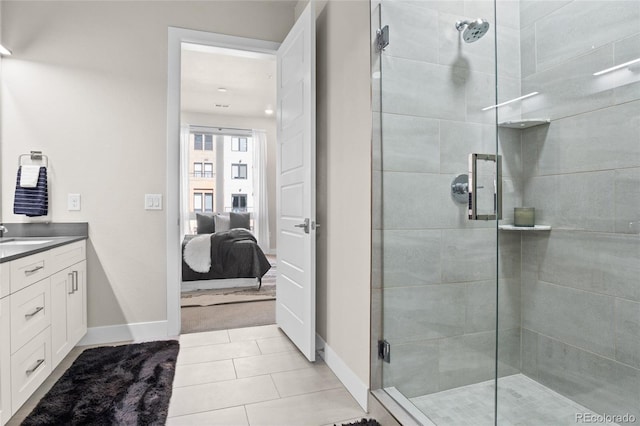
(484, 314)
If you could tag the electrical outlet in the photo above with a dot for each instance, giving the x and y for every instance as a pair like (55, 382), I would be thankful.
(73, 202)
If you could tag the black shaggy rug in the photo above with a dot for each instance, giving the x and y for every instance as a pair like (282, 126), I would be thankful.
(114, 385)
(363, 422)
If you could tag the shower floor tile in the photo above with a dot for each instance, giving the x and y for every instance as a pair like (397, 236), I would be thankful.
(521, 401)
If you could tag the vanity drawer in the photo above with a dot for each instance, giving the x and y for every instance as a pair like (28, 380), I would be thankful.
(67, 255)
(30, 366)
(30, 269)
(30, 313)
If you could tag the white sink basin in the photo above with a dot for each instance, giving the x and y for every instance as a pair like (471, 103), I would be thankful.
(23, 242)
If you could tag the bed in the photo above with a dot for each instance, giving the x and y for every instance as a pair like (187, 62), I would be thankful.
(224, 256)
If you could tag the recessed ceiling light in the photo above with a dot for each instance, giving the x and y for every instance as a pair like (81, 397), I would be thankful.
(222, 89)
(268, 111)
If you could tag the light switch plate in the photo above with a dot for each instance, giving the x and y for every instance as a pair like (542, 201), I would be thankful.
(153, 201)
(73, 202)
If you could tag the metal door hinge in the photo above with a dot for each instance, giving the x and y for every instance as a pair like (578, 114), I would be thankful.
(382, 37)
(384, 350)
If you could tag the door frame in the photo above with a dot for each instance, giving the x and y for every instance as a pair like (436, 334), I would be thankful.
(176, 37)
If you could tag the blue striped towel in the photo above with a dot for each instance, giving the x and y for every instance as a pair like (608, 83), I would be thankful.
(32, 201)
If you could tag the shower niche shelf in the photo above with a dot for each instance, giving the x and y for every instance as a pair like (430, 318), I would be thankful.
(525, 123)
(525, 228)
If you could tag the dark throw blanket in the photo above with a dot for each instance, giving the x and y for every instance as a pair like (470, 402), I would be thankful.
(234, 254)
(221, 244)
(113, 385)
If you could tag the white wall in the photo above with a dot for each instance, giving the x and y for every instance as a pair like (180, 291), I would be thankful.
(87, 84)
(261, 123)
(1, 7)
(344, 181)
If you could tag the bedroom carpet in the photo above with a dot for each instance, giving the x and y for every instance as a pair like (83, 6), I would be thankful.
(228, 316)
(227, 295)
(124, 385)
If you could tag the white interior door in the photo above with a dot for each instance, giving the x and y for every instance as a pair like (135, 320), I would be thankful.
(296, 185)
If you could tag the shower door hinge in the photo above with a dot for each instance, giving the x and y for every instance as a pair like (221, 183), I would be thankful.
(384, 350)
(382, 38)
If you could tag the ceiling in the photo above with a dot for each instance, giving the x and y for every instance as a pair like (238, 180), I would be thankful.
(250, 81)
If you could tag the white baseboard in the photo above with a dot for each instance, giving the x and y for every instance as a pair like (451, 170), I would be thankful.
(359, 390)
(137, 332)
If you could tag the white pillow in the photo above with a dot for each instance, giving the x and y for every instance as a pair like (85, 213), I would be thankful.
(223, 223)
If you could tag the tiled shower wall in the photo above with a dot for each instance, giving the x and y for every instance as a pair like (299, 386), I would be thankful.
(435, 271)
(581, 281)
(576, 290)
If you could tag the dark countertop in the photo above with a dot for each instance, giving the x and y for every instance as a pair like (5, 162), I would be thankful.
(12, 248)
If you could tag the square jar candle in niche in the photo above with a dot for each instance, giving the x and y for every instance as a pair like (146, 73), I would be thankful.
(524, 216)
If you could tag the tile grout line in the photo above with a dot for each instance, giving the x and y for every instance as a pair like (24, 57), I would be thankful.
(222, 359)
(246, 414)
(235, 370)
(275, 386)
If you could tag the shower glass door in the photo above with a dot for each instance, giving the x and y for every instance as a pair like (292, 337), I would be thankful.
(438, 279)
(481, 107)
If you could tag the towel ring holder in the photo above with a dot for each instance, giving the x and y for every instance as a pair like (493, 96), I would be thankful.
(34, 156)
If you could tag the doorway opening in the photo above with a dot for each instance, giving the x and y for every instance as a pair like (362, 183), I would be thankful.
(227, 188)
(295, 218)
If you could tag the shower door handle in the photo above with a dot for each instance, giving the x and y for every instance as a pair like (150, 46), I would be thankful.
(483, 168)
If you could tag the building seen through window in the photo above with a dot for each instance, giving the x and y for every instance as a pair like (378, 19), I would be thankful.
(202, 142)
(220, 173)
(239, 144)
(238, 171)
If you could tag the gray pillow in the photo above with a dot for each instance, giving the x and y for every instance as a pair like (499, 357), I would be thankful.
(240, 220)
(206, 223)
(223, 223)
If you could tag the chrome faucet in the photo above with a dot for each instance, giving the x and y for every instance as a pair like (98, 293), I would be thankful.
(3, 230)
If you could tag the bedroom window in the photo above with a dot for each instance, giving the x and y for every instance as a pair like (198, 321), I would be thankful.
(239, 202)
(239, 144)
(238, 171)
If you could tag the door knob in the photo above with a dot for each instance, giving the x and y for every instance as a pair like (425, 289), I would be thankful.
(304, 225)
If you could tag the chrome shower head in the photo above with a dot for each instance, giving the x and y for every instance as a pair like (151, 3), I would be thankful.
(474, 29)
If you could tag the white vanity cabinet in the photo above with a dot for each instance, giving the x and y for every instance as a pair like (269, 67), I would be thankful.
(5, 360)
(69, 312)
(43, 315)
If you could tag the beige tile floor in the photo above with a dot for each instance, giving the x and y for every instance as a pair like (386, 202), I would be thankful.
(246, 376)
(254, 376)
